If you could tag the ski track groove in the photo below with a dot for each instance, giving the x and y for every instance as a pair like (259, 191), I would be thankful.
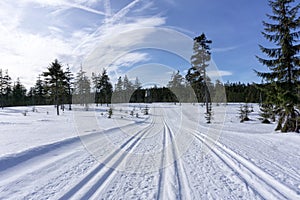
(291, 173)
(161, 170)
(252, 175)
(183, 184)
(132, 142)
(181, 173)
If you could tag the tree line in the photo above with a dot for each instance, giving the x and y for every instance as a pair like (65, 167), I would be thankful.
(278, 95)
(57, 86)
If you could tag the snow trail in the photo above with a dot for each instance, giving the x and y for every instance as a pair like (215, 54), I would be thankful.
(257, 179)
(95, 180)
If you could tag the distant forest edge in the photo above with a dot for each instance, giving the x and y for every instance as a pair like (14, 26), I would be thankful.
(125, 91)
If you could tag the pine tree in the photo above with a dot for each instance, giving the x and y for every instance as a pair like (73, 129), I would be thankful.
(176, 85)
(5, 88)
(56, 79)
(106, 88)
(119, 85)
(197, 73)
(39, 91)
(219, 92)
(82, 89)
(244, 112)
(18, 93)
(128, 89)
(69, 86)
(31, 96)
(97, 87)
(267, 112)
(137, 84)
(284, 61)
(118, 93)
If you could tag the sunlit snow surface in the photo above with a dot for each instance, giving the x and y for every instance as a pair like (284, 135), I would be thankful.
(169, 154)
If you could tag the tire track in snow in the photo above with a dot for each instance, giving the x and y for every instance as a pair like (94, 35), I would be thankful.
(261, 182)
(95, 180)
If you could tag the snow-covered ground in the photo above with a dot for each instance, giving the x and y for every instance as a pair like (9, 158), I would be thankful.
(169, 154)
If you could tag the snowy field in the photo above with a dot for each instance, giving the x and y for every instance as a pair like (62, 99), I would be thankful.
(169, 154)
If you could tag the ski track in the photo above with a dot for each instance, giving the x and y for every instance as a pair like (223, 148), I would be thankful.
(68, 171)
(62, 153)
(172, 182)
(93, 183)
(260, 181)
(280, 170)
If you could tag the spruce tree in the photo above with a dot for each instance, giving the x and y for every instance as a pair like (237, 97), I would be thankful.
(18, 94)
(39, 91)
(69, 86)
(118, 93)
(55, 78)
(5, 88)
(106, 88)
(82, 89)
(176, 85)
(283, 61)
(137, 84)
(97, 87)
(128, 89)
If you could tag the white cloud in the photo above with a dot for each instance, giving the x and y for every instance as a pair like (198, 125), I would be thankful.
(116, 41)
(130, 59)
(224, 49)
(218, 73)
(65, 4)
(27, 53)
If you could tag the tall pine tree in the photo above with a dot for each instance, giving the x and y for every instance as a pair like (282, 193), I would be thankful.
(197, 73)
(106, 88)
(69, 86)
(283, 61)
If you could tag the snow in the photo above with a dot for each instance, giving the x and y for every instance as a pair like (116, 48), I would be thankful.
(169, 154)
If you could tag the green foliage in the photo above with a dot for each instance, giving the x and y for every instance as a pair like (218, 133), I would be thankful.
(82, 90)
(283, 61)
(176, 85)
(267, 112)
(69, 86)
(244, 112)
(5, 88)
(55, 79)
(196, 75)
(18, 93)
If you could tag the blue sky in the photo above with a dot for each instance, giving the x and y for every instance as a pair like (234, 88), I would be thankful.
(123, 35)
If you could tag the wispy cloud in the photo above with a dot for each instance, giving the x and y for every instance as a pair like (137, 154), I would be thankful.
(224, 49)
(218, 73)
(65, 4)
(120, 14)
(33, 50)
